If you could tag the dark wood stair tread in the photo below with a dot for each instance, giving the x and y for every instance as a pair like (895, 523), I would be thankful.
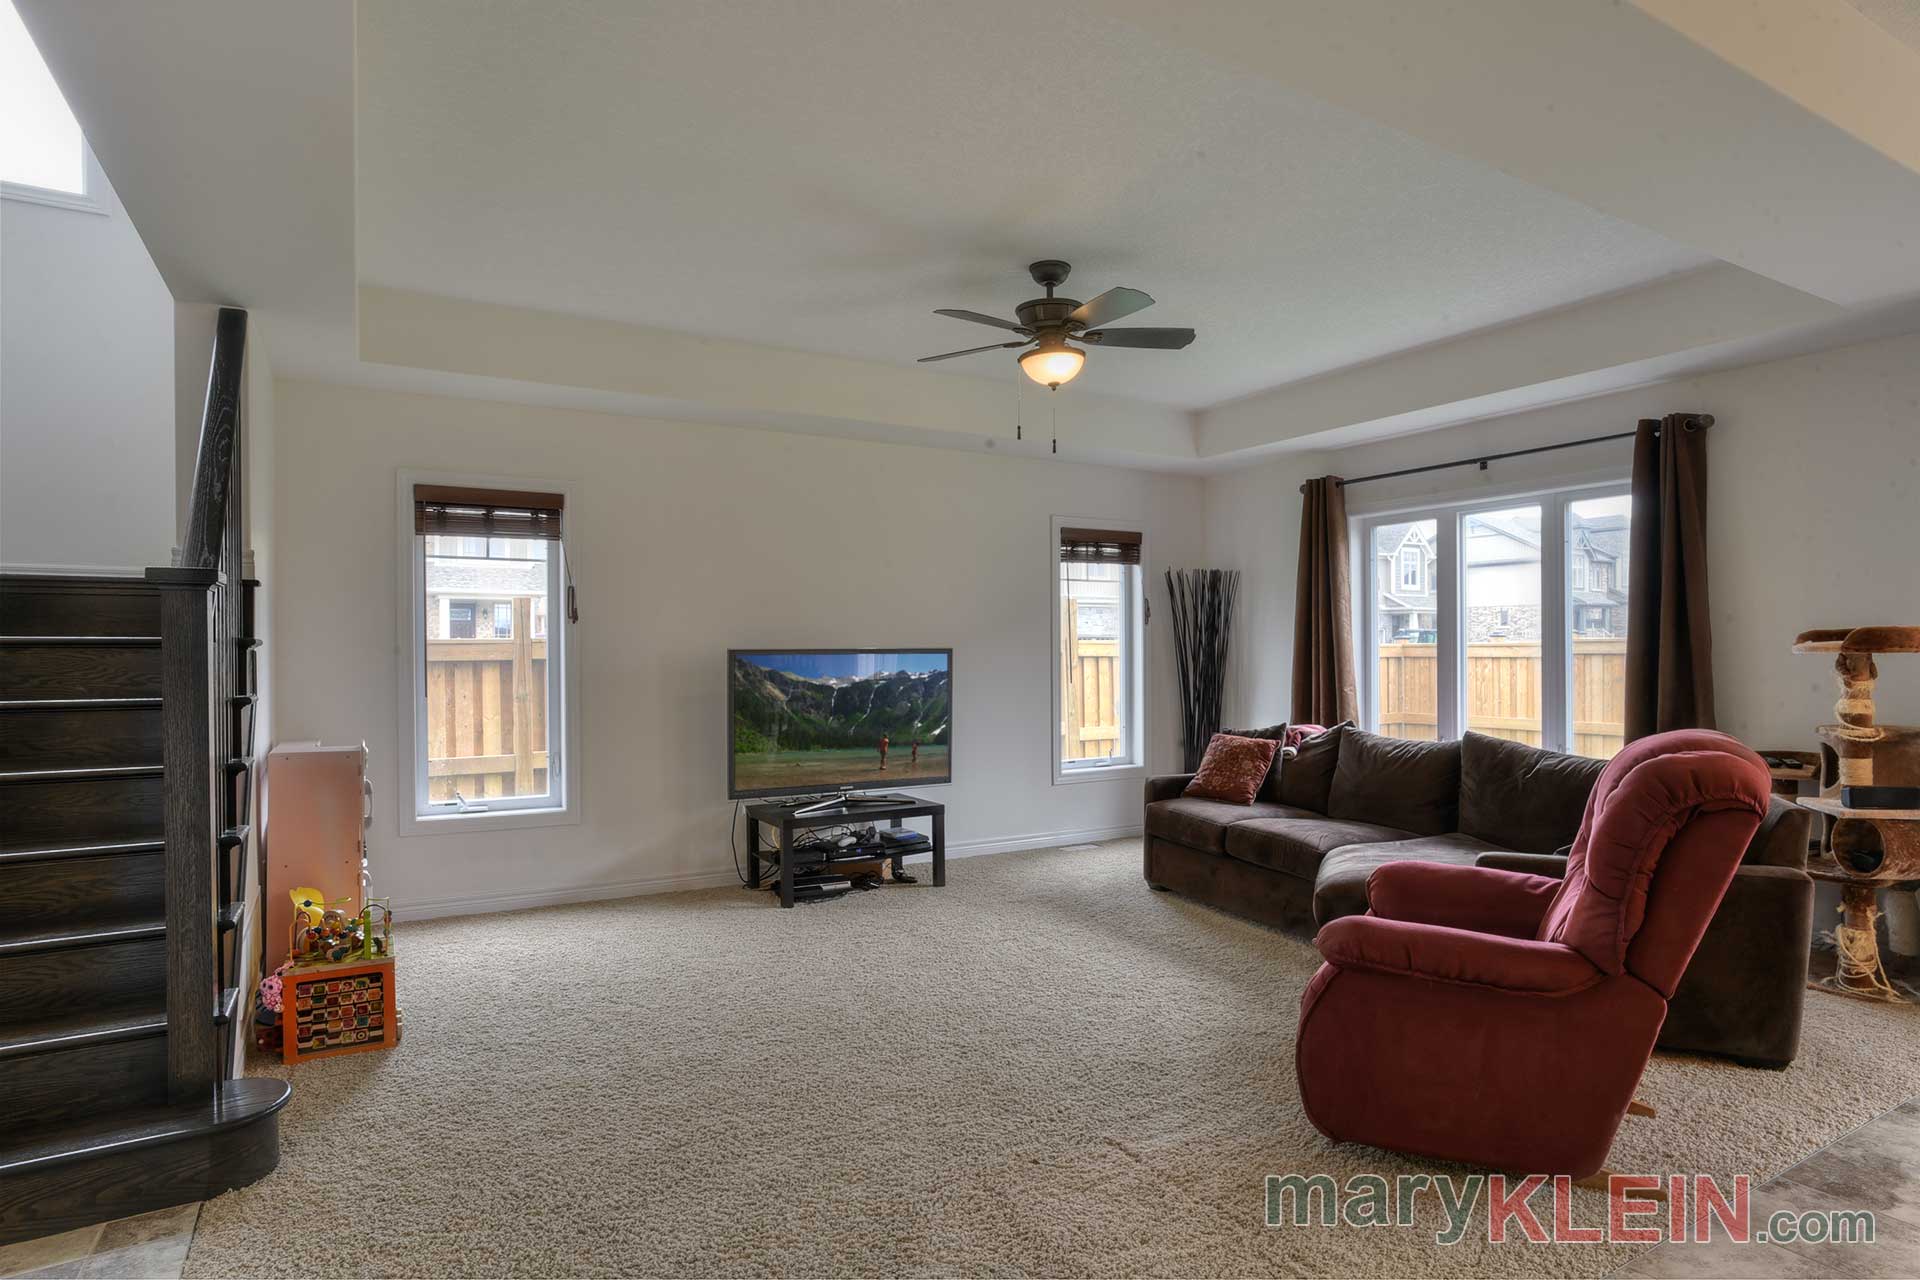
(93, 773)
(80, 1030)
(235, 1103)
(73, 704)
(48, 853)
(13, 944)
(124, 642)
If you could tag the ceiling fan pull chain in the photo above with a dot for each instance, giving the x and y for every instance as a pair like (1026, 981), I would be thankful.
(1056, 422)
(1016, 413)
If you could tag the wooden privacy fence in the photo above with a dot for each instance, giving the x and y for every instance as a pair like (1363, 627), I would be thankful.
(1502, 693)
(487, 713)
(1091, 694)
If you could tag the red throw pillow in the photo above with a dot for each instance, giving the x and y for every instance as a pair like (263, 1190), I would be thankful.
(1233, 768)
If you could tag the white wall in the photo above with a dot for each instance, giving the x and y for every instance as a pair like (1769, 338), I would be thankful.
(689, 539)
(1813, 521)
(86, 391)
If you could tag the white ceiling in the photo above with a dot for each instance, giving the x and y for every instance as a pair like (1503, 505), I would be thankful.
(821, 176)
(1381, 216)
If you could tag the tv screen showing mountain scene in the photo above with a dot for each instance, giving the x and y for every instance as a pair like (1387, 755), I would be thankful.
(818, 720)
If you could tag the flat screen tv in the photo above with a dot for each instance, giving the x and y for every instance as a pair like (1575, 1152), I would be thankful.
(801, 721)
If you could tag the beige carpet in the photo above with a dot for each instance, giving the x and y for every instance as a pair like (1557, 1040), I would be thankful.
(1044, 1068)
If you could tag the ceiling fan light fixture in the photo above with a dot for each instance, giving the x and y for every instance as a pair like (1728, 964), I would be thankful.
(1053, 363)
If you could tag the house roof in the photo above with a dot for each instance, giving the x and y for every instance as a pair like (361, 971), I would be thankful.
(459, 576)
(1388, 537)
(1605, 535)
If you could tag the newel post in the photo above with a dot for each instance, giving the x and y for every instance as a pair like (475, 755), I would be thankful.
(192, 816)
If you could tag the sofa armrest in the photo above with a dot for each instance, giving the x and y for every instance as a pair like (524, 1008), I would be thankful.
(1782, 838)
(1168, 786)
(1518, 965)
(1743, 991)
(1508, 903)
(1533, 864)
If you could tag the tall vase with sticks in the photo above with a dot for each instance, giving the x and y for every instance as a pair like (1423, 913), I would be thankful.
(1202, 631)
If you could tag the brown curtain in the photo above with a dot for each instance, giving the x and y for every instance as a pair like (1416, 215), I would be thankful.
(1669, 637)
(1323, 688)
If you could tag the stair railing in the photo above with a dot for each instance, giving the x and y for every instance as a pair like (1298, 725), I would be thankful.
(207, 687)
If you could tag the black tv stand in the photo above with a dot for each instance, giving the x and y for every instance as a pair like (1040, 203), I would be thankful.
(789, 818)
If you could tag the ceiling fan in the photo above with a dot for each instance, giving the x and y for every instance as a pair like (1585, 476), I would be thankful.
(1046, 324)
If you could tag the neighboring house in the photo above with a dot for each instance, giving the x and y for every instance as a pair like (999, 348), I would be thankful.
(1407, 575)
(1502, 591)
(1597, 569)
(1095, 592)
(472, 583)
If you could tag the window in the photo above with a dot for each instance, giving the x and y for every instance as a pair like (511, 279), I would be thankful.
(1405, 641)
(43, 158)
(492, 711)
(1525, 617)
(1097, 652)
(1410, 568)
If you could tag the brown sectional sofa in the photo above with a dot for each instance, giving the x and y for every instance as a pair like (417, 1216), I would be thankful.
(1349, 801)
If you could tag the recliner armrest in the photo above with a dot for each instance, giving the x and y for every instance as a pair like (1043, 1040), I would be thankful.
(1507, 903)
(1518, 965)
(1168, 786)
(1533, 864)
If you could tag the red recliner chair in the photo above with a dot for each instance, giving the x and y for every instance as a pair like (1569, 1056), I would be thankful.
(1503, 1019)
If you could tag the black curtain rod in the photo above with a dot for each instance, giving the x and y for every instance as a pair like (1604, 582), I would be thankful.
(1694, 422)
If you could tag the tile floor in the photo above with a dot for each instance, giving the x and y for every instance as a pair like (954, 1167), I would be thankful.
(147, 1245)
(1876, 1167)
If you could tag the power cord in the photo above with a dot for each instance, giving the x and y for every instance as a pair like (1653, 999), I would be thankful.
(733, 844)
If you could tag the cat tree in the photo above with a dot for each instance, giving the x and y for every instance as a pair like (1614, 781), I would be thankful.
(1866, 848)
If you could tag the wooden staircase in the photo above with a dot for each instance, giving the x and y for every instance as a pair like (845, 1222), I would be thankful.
(124, 891)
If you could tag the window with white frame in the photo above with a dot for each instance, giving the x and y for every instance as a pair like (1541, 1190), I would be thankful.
(1411, 567)
(1098, 619)
(490, 675)
(1527, 614)
(43, 156)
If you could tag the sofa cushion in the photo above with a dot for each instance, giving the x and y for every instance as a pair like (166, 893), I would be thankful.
(1202, 824)
(1341, 887)
(1521, 797)
(1233, 769)
(1296, 845)
(1411, 785)
(1270, 789)
(1307, 775)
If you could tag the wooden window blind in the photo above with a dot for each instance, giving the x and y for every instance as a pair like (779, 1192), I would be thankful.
(451, 511)
(1100, 546)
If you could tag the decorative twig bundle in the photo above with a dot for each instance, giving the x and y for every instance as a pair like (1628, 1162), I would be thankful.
(1202, 629)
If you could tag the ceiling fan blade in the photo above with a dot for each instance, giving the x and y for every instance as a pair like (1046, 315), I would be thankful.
(1112, 305)
(992, 346)
(1164, 339)
(980, 317)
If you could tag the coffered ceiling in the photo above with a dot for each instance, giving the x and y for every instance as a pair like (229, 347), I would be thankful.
(1380, 217)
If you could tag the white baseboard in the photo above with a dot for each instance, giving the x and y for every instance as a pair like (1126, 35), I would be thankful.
(1042, 840)
(75, 570)
(520, 900)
